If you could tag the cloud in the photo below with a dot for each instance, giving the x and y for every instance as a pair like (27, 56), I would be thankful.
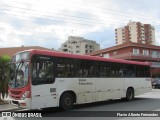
(8, 36)
(49, 23)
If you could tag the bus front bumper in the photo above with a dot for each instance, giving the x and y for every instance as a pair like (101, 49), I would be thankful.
(25, 104)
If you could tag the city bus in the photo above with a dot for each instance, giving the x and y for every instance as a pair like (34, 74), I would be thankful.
(42, 79)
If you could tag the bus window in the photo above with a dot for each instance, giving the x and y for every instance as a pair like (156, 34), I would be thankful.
(78, 68)
(116, 70)
(85, 68)
(105, 69)
(129, 71)
(65, 67)
(143, 71)
(42, 70)
(147, 71)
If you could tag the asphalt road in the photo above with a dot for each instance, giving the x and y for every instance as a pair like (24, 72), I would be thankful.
(146, 102)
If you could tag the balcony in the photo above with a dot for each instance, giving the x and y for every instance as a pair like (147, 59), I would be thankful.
(131, 56)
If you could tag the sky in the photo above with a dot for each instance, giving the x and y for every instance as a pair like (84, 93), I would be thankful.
(48, 23)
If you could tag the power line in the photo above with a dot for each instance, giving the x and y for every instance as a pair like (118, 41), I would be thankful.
(84, 4)
(122, 12)
(86, 24)
(86, 20)
(71, 17)
(44, 17)
(51, 13)
(92, 10)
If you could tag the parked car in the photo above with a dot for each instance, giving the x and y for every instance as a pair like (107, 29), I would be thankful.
(156, 83)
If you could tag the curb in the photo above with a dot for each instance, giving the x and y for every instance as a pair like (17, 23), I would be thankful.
(10, 109)
(3, 103)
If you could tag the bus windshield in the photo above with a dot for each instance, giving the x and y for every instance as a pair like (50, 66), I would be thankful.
(19, 74)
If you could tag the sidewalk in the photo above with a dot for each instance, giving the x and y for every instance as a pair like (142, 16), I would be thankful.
(7, 107)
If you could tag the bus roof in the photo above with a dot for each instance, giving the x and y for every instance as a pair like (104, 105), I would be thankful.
(85, 57)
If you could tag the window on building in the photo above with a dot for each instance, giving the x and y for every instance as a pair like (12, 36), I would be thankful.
(143, 42)
(158, 54)
(135, 51)
(73, 42)
(154, 54)
(145, 52)
(65, 50)
(91, 47)
(115, 52)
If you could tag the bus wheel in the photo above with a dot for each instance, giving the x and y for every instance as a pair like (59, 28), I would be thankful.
(130, 94)
(66, 101)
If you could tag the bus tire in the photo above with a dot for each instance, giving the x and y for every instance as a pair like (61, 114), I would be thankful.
(130, 94)
(66, 101)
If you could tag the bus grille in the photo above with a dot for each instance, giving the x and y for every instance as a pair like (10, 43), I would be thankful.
(16, 98)
(15, 102)
(15, 92)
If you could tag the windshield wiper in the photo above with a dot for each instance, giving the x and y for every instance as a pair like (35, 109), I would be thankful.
(16, 72)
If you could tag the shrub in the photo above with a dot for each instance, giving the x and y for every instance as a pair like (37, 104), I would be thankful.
(4, 74)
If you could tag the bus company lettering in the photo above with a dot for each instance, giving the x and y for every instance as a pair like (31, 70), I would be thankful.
(15, 114)
(84, 82)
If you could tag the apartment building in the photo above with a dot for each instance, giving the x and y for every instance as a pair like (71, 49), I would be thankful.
(79, 45)
(135, 32)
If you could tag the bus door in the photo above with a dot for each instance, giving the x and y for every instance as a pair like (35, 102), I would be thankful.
(43, 87)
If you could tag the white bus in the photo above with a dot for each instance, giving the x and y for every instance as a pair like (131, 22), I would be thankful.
(41, 79)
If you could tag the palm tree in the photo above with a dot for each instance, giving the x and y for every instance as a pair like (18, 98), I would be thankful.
(4, 74)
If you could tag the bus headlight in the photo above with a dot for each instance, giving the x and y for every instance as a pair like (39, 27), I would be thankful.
(25, 95)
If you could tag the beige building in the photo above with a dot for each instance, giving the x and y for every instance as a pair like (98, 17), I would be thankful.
(136, 32)
(79, 45)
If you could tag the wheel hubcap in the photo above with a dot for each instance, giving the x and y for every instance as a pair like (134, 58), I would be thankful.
(67, 101)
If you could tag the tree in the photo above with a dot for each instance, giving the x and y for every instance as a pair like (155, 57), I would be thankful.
(4, 74)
